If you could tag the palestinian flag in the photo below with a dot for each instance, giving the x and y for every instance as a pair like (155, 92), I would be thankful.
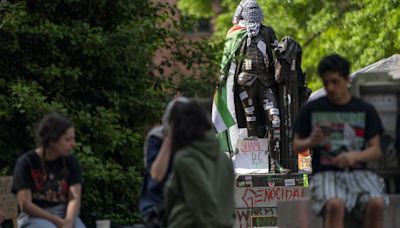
(223, 110)
(221, 117)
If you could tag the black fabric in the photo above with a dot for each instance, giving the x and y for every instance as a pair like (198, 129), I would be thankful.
(397, 136)
(363, 125)
(50, 188)
(289, 50)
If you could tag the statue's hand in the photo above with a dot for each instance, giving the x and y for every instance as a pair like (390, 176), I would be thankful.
(221, 81)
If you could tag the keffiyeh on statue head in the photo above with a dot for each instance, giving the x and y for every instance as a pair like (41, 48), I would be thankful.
(250, 14)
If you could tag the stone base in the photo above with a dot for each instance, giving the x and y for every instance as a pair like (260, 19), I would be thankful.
(297, 213)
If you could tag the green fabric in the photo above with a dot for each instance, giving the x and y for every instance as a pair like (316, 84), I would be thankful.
(223, 119)
(225, 141)
(199, 192)
(233, 40)
(232, 43)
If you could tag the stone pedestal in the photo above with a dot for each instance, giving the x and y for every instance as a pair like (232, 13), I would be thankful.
(257, 195)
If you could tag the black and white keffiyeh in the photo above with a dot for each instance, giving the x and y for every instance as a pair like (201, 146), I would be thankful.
(250, 15)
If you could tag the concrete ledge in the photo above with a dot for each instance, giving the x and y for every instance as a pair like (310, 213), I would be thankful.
(297, 213)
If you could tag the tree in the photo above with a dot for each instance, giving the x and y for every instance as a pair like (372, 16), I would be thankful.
(362, 31)
(92, 61)
(201, 9)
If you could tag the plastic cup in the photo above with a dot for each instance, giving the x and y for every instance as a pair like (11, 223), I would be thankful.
(103, 223)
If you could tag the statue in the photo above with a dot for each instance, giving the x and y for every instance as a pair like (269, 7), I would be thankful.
(248, 58)
(293, 93)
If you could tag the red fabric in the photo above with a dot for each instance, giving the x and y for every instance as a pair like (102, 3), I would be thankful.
(235, 28)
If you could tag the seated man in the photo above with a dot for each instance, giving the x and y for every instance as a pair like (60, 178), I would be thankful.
(344, 133)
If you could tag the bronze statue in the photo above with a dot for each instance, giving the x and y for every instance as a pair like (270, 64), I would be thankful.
(248, 55)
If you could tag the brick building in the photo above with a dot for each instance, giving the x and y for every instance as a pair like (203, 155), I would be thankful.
(201, 30)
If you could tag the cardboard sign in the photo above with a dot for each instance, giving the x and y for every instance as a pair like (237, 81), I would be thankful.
(8, 201)
(252, 156)
(264, 221)
(257, 197)
(256, 206)
(251, 197)
(256, 217)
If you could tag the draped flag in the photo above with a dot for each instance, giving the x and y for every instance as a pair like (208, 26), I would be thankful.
(221, 117)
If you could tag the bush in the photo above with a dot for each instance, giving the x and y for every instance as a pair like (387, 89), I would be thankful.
(92, 61)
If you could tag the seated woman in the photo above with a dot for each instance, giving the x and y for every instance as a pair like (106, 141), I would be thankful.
(199, 192)
(47, 180)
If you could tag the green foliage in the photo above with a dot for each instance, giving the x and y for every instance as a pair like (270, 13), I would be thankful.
(362, 31)
(92, 61)
(196, 8)
(194, 63)
(203, 59)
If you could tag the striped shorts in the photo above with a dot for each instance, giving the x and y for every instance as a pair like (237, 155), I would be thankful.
(355, 188)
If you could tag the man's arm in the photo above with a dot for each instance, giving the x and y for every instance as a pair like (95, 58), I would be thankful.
(302, 144)
(372, 152)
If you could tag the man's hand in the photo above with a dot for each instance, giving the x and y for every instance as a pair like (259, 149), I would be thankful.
(221, 81)
(347, 159)
(316, 137)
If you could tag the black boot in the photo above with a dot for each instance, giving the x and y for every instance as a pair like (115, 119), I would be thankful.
(280, 169)
(252, 133)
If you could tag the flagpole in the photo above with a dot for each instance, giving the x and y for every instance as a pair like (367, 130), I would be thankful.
(227, 142)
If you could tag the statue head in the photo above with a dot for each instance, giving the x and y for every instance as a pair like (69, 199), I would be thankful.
(249, 11)
(251, 14)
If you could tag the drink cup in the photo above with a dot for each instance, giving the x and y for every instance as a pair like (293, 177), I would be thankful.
(103, 223)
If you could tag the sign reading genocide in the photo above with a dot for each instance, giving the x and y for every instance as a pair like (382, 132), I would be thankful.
(8, 201)
(252, 156)
(256, 206)
(257, 196)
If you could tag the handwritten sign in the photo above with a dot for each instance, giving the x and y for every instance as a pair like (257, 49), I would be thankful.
(263, 221)
(8, 201)
(251, 197)
(252, 156)
(251, 217)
